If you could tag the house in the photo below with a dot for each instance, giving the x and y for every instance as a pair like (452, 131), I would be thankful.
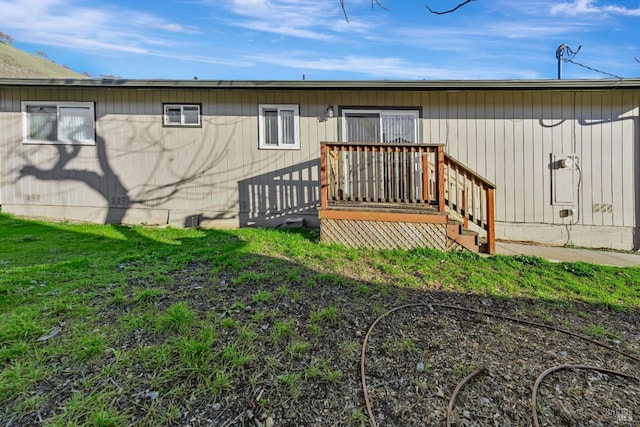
(558, 159)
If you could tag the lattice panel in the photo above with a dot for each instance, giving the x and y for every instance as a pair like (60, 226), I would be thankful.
(385, 235)
(452, 245)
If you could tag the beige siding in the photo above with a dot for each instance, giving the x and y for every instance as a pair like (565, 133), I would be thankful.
(520, 130)
(139, 164)
(218, 173)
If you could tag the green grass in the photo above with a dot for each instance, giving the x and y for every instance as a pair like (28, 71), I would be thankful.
(321, 370)
(177, 317)
(148, 295)
(296, 348)
(408, 345)
(261, 297)
(293, 383)
(325, 315)
(132, 318)
(282, 330)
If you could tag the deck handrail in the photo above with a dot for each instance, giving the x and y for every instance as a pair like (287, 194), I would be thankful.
(407, 174)
(470, 171)
(469, 196)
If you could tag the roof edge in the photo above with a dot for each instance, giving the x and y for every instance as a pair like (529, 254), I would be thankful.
(328, 84)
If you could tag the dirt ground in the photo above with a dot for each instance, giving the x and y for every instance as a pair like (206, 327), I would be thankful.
(415, 358)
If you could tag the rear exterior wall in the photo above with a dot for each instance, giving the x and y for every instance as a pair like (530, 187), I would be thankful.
(216, 175)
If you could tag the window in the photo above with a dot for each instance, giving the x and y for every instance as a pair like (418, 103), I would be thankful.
(370, 125)
(181, 115)
(401, 172)
(58, 122)
(279, 126)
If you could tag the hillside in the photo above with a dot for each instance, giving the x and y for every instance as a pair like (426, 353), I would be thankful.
(15, 63)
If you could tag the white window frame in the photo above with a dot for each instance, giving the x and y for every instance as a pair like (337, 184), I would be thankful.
(409, 112)
(296, 126)
(58, 104)
(167, 123)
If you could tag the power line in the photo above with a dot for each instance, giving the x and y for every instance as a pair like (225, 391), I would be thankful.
(591, 68)
(565, 54)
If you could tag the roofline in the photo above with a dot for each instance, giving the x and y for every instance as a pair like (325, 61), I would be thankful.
(399, 85)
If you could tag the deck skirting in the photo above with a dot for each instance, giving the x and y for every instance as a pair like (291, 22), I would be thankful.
(357, 233)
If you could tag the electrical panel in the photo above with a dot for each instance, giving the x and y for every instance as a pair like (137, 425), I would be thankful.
(564, 174)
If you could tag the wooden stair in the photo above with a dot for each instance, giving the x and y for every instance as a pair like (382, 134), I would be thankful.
(466, 238)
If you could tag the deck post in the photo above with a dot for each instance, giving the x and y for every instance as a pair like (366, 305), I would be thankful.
(463, 205)
(440, 178)
(324, 185)
(425, 178)
(491, 229)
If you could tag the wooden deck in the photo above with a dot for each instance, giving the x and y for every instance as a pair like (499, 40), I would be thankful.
(403, 196)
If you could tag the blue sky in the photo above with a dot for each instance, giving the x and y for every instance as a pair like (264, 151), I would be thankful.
(286, 39)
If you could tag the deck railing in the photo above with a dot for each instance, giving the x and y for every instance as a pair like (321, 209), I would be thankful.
(406, 175)
(470, 198)
(378, 173)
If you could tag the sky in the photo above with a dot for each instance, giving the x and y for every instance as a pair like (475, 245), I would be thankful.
(296, 39)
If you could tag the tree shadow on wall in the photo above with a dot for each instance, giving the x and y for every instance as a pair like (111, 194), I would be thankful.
(289, 193)
(106, 183)
(193, 181)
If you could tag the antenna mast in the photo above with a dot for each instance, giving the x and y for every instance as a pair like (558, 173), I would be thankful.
(560, 55)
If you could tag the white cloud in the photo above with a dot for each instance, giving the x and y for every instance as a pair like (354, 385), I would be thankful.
(379, 67)
(96, 29)
(533, 30)
(386, 67)
(305, 19)
(231, 62)
(589, 7)
(283, 30)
